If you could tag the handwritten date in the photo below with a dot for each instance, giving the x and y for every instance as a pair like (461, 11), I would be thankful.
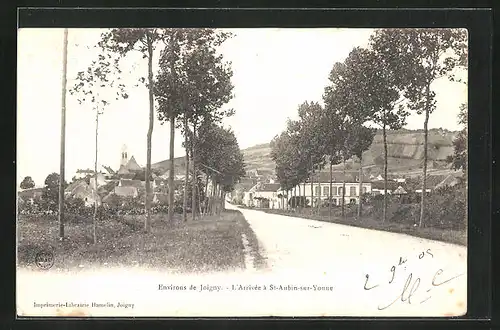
(411, 285)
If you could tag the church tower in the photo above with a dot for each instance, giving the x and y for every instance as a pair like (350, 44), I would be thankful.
(124, 156)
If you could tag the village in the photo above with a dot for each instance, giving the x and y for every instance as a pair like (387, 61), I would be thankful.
(265, 192)
(115, 188)
(258, 189)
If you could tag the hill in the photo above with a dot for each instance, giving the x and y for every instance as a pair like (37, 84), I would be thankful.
(405, 151)
(179, 165)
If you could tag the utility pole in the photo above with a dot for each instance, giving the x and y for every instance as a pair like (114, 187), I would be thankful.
(63, 136)
(94, 224)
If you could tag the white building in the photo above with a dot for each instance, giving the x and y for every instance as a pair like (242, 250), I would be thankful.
(262, 195)
(320, 189)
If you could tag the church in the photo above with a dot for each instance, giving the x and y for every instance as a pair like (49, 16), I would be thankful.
(127, 181)
(130, 178)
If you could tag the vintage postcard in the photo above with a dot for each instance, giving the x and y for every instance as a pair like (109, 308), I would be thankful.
(242, 172)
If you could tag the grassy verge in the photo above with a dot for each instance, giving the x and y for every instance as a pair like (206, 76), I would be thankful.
(439, 234)
(212, 243)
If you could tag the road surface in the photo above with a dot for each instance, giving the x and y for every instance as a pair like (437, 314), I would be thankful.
(311, 249)
(313, 269)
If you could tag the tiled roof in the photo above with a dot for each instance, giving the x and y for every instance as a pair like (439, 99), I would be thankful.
(132, 165)
(71, 189)
(84, 171)
(126, 191)
(109, 169)
(400, 190)
(161, 198)
(337, 176)
(123, 170)
(268, 187)
(450, 180)
(433, 180)
(131, 183)
(30, 192)
(391, 185)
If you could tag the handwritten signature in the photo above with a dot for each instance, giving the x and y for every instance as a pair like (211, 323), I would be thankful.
(411, 286)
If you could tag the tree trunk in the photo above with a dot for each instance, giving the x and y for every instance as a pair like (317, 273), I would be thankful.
(294, 198)
(205, 204)
(94, 222)
(199, 210)
(171, 188)
(147, 221)
(212, 198)
(63, 136)
(330, 192)
(312, 187)
(305, 194)
(424, 179)
(384, 136)
(319, 197)
(343, 186)
(301, 194)
(223, 200)
(286, 199)
(195, 177)
(360, 185)
(216, 200)
(186, 179)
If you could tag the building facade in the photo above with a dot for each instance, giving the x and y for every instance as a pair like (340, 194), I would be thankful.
(319, 192)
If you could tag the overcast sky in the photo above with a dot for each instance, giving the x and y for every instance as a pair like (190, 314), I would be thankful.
(274, 71)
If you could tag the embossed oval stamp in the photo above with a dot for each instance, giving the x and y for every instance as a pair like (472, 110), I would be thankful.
(44, 259)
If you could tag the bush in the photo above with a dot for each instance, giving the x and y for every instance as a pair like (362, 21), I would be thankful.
(445, 209)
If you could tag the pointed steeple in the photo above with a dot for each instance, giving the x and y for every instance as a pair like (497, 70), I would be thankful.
(132, 165)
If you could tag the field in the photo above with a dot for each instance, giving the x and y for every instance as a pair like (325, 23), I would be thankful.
(213, 243)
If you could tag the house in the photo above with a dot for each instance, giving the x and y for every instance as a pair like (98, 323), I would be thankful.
(81, 174)
(241, 188)
(80, 189)
(399, 191)
(131, 183)
(31, 195)
(101, 180)
(126, 191)
(108, 172)
(124, 173)
(431, 183)
(450, 181)
(263, 195)
(160, 198)
(378, 187)
(160, 185)
(319, 191)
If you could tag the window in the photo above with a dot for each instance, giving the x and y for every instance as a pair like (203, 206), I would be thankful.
(334, 201)
(326, 191)
(364, 190)
(340, 191)
(334, 191)
(352, 191)
(317, 190)
(352, 201)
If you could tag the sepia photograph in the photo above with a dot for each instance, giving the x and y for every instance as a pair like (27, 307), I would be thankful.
(243, 172)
